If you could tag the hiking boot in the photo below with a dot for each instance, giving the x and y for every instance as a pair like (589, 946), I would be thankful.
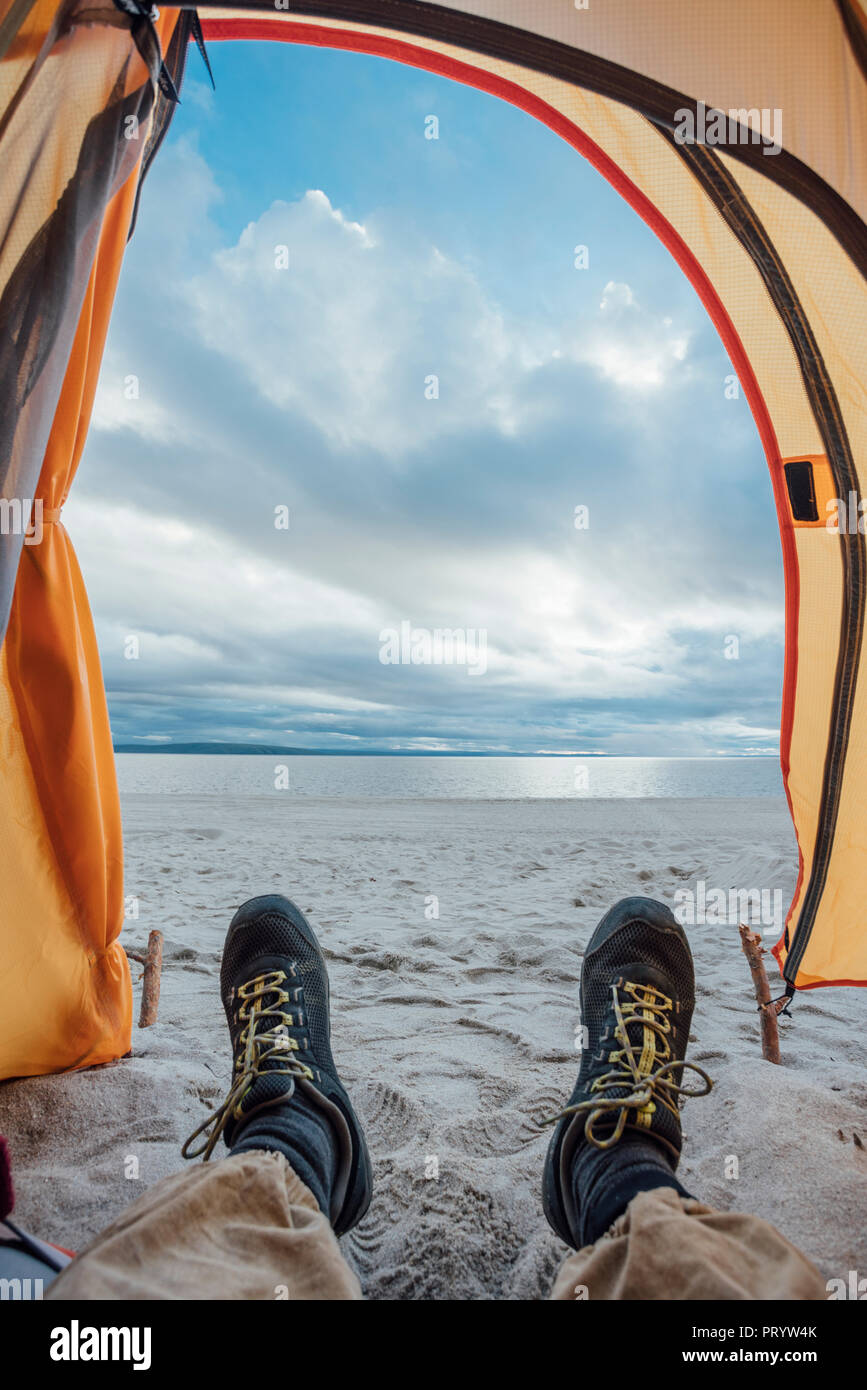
(637, 999)
(286, 1094)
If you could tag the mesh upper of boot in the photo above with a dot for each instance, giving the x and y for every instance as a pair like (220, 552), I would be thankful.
(272, 934)
(635, 941)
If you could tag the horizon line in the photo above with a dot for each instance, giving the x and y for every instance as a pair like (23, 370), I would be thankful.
(193, 747)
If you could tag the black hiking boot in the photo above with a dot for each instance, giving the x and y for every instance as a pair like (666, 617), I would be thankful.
(286, 1094)
(620, 1132)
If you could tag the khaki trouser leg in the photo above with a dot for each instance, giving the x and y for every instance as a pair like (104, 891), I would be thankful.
(245, 1227)
(668, 1247)
(248, 1228)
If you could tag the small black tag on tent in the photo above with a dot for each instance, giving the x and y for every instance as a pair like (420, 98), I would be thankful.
(802, 491)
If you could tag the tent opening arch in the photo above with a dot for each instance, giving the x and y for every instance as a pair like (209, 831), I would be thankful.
(775, 246)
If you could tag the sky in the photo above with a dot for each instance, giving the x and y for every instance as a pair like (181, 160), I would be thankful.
(356, 385)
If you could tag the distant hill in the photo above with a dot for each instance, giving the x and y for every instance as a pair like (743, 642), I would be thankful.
(271, 750)
(268, 749)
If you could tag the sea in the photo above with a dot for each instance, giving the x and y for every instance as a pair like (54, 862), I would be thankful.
(446, 778)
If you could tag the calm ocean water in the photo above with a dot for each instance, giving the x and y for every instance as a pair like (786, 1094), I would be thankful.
(476, 778)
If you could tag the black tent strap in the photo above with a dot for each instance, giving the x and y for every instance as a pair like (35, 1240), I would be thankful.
(196, 31)
(143, 17)
(779, 1007)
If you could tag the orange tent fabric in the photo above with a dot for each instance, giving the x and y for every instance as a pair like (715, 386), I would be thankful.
(65, 997)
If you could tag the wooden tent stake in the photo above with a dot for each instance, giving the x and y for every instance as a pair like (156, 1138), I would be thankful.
(752, 947)
(150, 992)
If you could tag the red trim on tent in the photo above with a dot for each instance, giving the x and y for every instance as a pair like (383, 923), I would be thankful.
(380, 46)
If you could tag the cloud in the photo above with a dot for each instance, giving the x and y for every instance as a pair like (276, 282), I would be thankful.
(373, 342)
(636, 350)
(304, 387)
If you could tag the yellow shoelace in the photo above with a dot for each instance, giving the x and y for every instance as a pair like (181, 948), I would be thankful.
(262, 1042)
(649, 1084)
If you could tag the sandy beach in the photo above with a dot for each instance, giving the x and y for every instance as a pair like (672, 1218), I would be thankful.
(454, 1023)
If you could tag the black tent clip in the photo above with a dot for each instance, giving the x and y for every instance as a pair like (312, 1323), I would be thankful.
(143, 16)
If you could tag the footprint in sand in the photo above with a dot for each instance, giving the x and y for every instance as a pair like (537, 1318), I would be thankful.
(549, 1100)
(485, 1136)
(363, 1245)
(383, 960)
(391, 1118)
(441, 1247)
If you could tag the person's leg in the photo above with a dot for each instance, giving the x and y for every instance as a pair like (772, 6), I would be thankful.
(665, 1246)
(262, 1223)
(243, 1228)
(609, 1186)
